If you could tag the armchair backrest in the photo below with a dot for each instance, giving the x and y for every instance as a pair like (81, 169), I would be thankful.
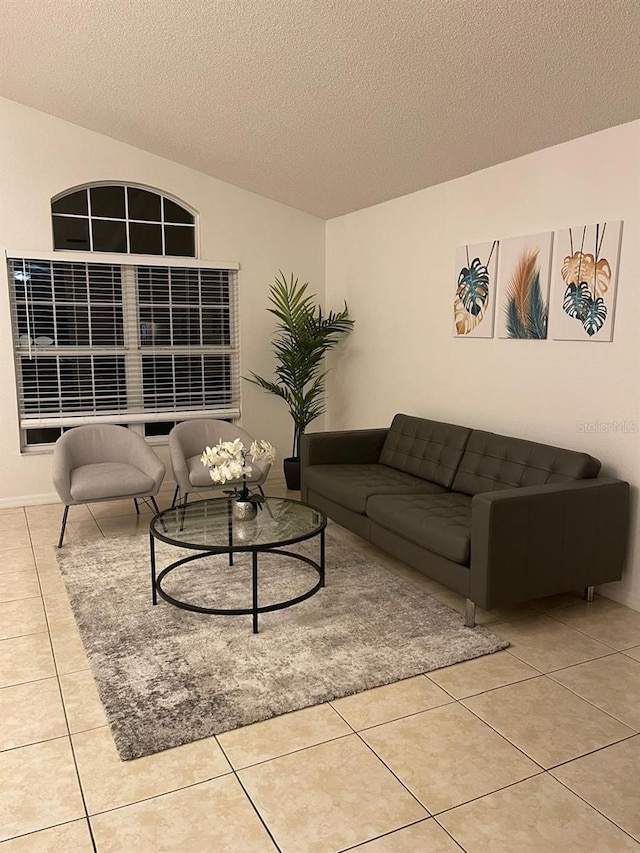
(193, 436)
(95, 443)
(189, 438)
(92, 443)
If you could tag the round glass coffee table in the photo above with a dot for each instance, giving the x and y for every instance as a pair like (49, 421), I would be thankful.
(210, 528)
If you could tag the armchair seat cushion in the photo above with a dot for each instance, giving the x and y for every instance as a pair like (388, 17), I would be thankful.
(199, 475)
(187, 441)
(106, 480)
(440, 523)
(352, 485)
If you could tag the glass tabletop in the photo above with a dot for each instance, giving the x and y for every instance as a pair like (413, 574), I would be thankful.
(210, 524)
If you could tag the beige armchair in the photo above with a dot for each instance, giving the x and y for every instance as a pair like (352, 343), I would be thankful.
(104, 462)
(187, 441)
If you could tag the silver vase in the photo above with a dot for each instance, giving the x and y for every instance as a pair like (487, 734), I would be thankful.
(243, 510)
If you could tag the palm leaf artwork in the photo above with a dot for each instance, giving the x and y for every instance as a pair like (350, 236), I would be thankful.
(525, 309)
(303, 337)
(472, 296)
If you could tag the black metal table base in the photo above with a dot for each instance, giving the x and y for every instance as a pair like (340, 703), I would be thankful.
(256, 608)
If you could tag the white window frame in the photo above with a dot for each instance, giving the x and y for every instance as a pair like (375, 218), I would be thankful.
(132, 350)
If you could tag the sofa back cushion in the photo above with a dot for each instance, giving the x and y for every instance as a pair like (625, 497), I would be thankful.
(427, 449)
(493, 462)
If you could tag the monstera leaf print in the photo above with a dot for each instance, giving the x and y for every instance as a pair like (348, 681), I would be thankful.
(595, 316)
(588, 280)
(583, 267)
(472, 296)
(576, 300)
(473, 287)
(580, 304)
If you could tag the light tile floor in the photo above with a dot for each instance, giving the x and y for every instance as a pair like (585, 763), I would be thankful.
(536, 748)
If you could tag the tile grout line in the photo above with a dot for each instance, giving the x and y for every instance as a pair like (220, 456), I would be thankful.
(391, 832)
(634, 728)
(595, 808)
(549, 675)
(247, 795)
(530, 757)
(583, 633)
(64, 707)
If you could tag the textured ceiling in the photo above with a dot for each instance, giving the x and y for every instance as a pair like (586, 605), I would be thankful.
(328, 105)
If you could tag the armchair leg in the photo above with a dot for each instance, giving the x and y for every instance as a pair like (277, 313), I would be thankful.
(64, 524)
(156, 508)
(262, 491)
(469, 614)
(588, 593)
(135, 501)
(175, 497)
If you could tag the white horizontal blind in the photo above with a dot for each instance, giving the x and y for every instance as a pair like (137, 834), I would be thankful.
(123, 343)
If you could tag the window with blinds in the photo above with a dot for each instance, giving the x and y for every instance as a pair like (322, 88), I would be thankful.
(122, 343)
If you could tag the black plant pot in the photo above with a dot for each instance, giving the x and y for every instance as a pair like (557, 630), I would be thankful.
(292, 473)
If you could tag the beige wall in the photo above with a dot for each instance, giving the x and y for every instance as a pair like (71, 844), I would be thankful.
(41, 156)
(394, 263)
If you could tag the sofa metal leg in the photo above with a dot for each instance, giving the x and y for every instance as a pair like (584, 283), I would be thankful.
(588, 593)
(469, 614)
(64, 524)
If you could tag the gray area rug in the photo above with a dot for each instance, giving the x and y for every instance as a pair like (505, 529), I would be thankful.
(168, 676)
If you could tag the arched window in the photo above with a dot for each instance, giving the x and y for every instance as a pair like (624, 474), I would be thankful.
(122, 218)
(142, 341)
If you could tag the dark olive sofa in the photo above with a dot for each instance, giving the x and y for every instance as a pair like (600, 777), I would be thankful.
(499, 520)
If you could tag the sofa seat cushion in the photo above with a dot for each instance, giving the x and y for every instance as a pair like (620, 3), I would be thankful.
(351, 486)
(440, 523)
(107, 480)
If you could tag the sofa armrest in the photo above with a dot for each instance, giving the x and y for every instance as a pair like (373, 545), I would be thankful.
(539, 540)
(344, 447)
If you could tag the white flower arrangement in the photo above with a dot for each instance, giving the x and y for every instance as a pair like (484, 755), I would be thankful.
(227, 461)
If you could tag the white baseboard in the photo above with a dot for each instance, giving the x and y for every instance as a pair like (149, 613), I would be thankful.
(620, 596)
(168, 487)
(30, 500)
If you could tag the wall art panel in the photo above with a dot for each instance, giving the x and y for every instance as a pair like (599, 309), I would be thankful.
(523, 286)
(584, 282)
(474, 303)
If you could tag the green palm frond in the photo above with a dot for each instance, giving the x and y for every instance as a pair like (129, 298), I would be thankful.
(525, 309)
(303, 337)
(515, 329)
(537, 312)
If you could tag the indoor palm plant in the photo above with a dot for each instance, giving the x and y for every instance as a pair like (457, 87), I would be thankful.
(304, 335)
